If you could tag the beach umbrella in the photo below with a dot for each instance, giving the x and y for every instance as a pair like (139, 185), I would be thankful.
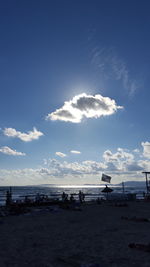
(107, 190)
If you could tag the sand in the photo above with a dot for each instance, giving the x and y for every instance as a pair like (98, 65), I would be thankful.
(63, 238)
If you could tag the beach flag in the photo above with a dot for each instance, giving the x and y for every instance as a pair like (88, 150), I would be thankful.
(106, 178)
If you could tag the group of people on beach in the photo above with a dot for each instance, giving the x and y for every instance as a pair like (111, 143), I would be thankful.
(44, 198)
(65, 198)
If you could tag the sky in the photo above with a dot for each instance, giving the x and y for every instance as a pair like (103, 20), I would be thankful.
(74, 91)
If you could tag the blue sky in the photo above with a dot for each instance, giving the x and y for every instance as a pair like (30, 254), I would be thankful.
(74, 84)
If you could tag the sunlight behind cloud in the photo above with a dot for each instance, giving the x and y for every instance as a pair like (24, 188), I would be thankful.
(84, 106)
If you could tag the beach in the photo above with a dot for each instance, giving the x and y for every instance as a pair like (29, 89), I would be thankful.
(95, 234)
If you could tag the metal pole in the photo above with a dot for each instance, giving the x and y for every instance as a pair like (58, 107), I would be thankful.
(146, 182)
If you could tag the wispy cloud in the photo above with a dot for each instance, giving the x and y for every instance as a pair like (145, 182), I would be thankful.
(9, 151)
(84, 106)
(26, 137)
(75, 152)
(60, 154)
(111, 66)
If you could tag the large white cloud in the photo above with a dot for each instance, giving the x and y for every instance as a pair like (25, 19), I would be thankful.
(26, 137)
(9, 151)
(84, 106)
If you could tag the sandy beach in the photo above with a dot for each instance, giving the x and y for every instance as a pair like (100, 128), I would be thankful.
(98, 234)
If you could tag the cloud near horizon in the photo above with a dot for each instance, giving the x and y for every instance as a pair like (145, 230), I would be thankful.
(60, 169)
(9, 151)
(122, 162)
(84, 106)
(26, 137)
(121, 166)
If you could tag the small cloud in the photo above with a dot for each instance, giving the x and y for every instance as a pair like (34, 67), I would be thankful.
(75, 152)
(26, 137)
(60, 154)
(8, 151)
(136, 150)
(84, 106)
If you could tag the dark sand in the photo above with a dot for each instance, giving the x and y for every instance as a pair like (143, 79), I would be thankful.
(65, 238)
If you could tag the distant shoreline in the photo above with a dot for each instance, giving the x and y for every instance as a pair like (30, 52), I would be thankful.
(126, 184)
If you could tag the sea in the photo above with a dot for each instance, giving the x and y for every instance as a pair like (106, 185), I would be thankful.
(92, 192)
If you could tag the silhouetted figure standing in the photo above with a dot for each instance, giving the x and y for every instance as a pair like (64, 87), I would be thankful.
(81, 196)
(64, 197)
(8, 197)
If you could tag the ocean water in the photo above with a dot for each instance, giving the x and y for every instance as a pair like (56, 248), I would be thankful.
(91, 192)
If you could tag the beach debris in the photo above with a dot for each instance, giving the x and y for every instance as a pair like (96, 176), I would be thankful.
(140, 246)
(135, 219)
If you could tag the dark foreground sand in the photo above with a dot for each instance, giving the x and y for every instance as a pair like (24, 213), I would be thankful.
(65, 238)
